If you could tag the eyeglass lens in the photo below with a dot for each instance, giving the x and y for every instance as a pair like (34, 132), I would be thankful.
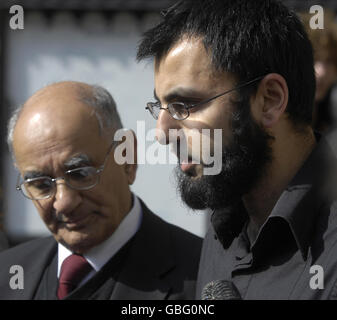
(81, 178)
(178, 110)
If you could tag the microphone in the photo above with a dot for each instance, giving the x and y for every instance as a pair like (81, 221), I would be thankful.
(220, 290)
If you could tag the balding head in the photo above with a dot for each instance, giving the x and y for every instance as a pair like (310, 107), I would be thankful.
(67, 88)
(96, 97)
(53, 115)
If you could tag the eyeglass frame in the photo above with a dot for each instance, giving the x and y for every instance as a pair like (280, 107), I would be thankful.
(188, 107)
(98, 172)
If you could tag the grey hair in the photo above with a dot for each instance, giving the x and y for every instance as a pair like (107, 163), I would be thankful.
(104, 105)
(11, 126)
(98, 98)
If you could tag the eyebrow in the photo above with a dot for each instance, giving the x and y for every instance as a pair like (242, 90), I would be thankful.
(77, 161)
(33, 174)
(179, 93)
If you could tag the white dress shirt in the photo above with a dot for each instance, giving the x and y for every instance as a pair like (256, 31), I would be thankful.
(101, 254)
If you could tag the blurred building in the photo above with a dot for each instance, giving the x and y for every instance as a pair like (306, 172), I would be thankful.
(92, 41)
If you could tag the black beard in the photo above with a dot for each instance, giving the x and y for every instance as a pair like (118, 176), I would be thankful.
(243, 163)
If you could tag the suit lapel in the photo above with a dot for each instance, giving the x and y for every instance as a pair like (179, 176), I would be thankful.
(48, 285)
(148, 262)
(35, 269)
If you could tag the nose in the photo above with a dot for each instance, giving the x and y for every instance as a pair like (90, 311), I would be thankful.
(165, 126)
(66, 199)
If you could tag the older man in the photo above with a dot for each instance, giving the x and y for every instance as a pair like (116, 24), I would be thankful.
(246, 67)
(106, 243)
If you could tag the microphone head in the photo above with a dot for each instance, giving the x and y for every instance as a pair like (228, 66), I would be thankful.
(220, 290)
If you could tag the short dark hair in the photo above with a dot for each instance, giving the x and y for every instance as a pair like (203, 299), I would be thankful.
(247, 38)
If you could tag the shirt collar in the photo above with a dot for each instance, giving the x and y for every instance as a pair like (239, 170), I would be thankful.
(299, 204)
(101, 254)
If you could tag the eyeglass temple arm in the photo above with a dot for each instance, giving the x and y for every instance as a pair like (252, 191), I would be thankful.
(221, 94)
(114, 143)
(160, 108)
(18, 187)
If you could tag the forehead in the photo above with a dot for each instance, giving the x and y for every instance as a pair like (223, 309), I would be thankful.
(188, 64)
(53, 128)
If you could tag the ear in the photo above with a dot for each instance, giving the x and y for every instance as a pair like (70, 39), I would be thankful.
(131, 167)
(271, 100)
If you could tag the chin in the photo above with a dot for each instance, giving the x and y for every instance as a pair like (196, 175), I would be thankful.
(77, 242)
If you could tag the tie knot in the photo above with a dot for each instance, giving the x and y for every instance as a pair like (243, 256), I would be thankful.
(73, 270)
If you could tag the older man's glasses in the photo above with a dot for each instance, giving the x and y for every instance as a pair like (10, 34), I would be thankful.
(181, 111)
(83, 178)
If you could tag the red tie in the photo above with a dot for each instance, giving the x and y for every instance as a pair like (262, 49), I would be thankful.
(73, 271)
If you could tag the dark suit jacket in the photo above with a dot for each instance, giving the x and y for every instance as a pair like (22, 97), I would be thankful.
(159, 262)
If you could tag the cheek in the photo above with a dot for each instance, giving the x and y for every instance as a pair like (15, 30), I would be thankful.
(96, 197)
(104, 201)
(104, 196)
(220, 127)
(208, 129)
(45, 210)
(114, 179)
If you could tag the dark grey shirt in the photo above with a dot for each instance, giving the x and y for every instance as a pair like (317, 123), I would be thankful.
(295, 252)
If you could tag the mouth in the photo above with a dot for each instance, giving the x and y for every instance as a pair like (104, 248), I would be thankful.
(74, 223)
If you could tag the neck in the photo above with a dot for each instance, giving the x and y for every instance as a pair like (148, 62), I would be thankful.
(289, 154)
